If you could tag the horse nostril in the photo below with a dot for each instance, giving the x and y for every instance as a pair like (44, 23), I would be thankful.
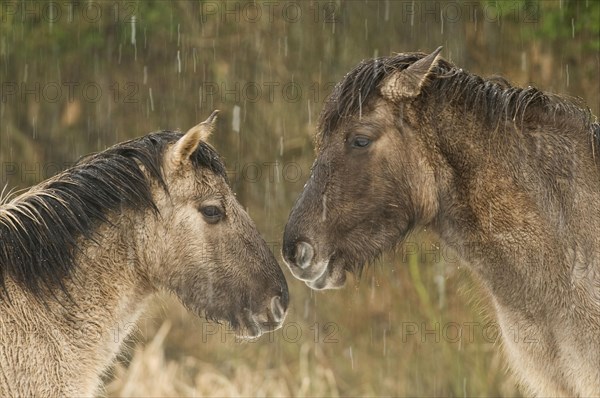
(277, 309)
(304, 254)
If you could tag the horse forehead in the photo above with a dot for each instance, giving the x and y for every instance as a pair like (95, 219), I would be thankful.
(193, 182)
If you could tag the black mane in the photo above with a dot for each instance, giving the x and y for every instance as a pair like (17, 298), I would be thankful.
(39, 230)
(493, 99)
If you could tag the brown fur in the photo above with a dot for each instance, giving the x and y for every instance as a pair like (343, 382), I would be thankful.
(59, 334)
(508, 177)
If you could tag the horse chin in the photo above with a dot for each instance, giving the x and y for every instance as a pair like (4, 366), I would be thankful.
(334, 277)
(343, 261)
(251, 326)
(245, 323)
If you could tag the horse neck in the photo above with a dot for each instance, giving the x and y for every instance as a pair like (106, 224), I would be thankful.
(512, 209)
(108, 284)
(106, 296)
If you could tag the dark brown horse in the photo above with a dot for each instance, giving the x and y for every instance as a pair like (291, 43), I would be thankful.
(508, 177)
(81, 254)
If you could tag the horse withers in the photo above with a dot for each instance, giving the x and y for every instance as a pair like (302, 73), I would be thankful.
(508, 177)
(82, 252)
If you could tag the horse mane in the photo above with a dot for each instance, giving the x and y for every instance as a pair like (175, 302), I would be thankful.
(494, 99)
(40, 229)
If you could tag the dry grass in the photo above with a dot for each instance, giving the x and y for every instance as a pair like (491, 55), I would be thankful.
(151, 373)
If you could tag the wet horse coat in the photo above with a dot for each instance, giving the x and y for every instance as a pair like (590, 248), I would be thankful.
(508, 177)
(83, 252)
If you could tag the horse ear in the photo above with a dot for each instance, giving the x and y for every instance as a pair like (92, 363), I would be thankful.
(407, 83)
(187, 144)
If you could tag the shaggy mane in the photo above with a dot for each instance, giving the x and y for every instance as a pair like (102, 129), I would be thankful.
(494, 100)
(39, 229)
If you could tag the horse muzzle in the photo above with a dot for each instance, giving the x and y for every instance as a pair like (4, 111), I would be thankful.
(253, 325)
(317, 274)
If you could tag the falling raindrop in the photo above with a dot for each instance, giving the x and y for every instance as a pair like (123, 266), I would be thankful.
(306, 312)
(333, 27)
(133, 20)
(440, 282)
(235, 122)
(351, 358)
(373, 288)
(277, 173)
(281, 146)
(51, 16)
(386, 14)
(70, 14)
(151, 99)
(195, 58)
(359, 105)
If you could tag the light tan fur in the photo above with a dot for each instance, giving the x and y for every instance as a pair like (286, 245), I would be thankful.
(62, 347)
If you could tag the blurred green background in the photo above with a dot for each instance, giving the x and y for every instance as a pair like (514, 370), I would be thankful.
(79, 76)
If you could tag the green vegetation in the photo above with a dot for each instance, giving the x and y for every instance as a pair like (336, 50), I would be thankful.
(86, 77)
(569, 21)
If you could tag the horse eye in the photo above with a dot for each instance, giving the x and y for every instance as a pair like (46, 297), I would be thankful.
(212, 214)
(361, 142)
